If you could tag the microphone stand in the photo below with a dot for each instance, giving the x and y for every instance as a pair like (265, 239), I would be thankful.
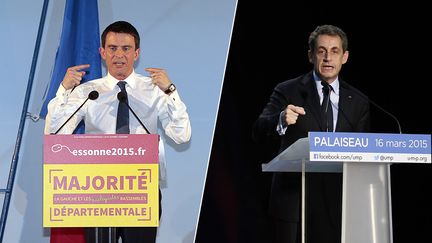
(92, 96)
(379, 107)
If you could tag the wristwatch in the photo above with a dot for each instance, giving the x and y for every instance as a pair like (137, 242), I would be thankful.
(170, 89)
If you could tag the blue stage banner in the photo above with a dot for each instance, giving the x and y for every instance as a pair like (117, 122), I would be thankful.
(370, 147)
(79, 44)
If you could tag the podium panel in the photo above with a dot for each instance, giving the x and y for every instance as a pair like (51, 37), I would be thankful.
(364, 159)
(107, 180)
(296, 156)
(366, 200)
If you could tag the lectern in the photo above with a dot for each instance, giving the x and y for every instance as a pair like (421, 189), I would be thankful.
(101, 180)
(364, 159)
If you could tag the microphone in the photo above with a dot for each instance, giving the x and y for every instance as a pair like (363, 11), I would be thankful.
(122, 98)
(92, 96)
(378, 106)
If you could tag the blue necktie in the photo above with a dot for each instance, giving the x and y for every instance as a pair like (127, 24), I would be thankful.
(326, 107)
(122, 125)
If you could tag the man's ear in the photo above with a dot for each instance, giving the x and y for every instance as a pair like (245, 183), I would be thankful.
(345, 57)
(137, 53)
(310, 56)
(102, 53)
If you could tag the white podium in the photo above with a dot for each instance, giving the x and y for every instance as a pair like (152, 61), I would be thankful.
(364, 159)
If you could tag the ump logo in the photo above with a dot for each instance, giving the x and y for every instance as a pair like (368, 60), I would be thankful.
(58, 147)
(315, 156)
(377, 157)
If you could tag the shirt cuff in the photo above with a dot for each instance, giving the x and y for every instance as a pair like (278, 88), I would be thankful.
(174, 97)
(60, 91)
(63, 94)
(282, 125)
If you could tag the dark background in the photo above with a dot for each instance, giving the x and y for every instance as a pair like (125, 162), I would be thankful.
(389, 61)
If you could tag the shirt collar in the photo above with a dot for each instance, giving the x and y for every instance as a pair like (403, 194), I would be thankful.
(130, 80)
(334, 84)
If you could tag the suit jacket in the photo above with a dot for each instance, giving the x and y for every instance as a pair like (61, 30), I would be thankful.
(353, 116)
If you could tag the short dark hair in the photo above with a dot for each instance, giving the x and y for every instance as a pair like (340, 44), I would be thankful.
(121, 27)
(327, 30)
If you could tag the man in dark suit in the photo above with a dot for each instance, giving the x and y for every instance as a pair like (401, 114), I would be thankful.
(294, 109)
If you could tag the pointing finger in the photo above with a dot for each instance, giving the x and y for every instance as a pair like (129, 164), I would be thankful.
(297, 109)
(79, 67)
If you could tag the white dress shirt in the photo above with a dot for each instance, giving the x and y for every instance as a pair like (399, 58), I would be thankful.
(147, 100)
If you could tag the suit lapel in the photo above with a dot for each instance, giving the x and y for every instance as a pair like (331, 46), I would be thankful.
(312, 98)
(345, 106)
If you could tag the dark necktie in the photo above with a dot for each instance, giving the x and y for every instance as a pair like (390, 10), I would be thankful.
(122, 125)
(326, 107)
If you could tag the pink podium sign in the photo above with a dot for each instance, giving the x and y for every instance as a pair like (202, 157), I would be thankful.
(101, 149)
(101, 180)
